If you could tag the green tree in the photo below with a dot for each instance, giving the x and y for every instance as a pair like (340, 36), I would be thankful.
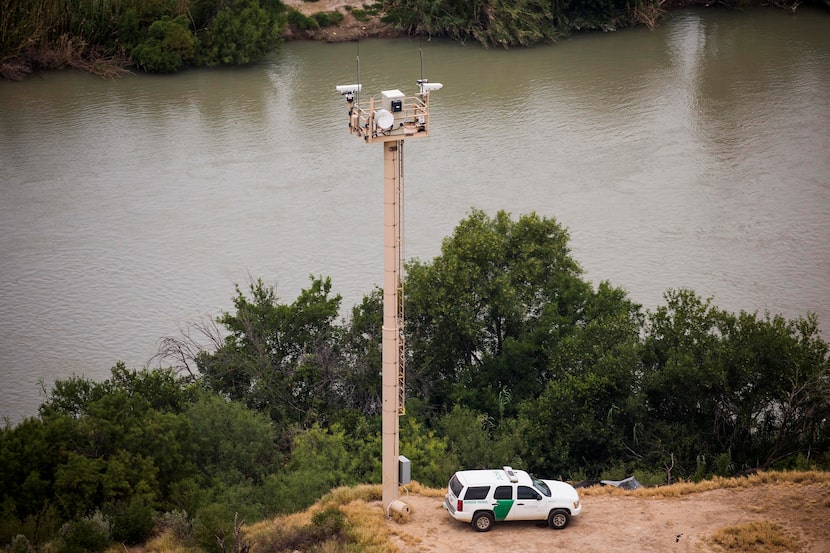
(229, 442)
(362, 346)
(322, 459)
(749, 390)
(683, 379)
(30, 454)
(479, 441)
(281, 359)
(587, 413)
(777, 390)
(243, 31)
(115, 445)
(486, 314)
(432, 462)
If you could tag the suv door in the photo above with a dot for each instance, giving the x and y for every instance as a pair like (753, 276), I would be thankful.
(529, 505)
(502, 501)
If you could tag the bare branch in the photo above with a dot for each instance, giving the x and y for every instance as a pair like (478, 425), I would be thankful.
(181, 351)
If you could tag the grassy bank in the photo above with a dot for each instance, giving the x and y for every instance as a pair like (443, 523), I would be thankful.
(350, 519)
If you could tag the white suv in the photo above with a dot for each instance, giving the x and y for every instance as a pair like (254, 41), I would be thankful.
(482, 497)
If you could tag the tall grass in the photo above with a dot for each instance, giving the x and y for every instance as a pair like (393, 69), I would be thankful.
(76, 33)
(758, 537)
(33, 23)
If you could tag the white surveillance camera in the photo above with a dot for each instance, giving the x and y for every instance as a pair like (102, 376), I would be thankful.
(348, 88)
(427, 86)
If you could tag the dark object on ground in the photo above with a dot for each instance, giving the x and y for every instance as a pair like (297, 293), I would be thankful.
(629, 483)
(587, 484)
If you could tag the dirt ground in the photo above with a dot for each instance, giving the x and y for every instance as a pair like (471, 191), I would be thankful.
(623, 523)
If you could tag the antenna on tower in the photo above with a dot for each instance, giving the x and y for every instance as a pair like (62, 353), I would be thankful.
(357, 59)
(423, 84)
(421, 53)
(352, 91)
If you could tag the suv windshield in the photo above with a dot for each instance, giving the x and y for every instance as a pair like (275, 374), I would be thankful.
(541, 486)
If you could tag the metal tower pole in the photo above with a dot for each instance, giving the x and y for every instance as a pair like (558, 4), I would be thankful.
(392, 340)
(388, 122)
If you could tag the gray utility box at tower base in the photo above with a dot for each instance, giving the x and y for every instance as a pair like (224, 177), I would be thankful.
(404, 470)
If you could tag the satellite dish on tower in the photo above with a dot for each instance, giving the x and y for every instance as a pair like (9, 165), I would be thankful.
(384, 119)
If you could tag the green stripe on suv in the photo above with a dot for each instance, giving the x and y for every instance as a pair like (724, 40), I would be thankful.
(502, 508)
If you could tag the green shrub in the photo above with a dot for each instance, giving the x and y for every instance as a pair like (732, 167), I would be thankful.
(326, 526)
(360, 15)
(301, 22)
(724, 464)
(177, 523)
(128, 30)
(374, 9)
(217, 517)
(170, 46)
(20, 544)
(327, 19)
(329, 522)
(131, 521)
(87, 535)
(651, 478)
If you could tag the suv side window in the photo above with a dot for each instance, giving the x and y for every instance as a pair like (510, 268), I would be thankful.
(477, 492)
(528, 493)
(503, 492)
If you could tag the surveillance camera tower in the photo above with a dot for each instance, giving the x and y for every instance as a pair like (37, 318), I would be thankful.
(389, 120)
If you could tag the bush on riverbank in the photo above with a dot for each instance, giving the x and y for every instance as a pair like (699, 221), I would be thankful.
(106, 36)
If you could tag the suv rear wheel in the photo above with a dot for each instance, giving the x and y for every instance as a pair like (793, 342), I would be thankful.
(483, 521)
(558, 519)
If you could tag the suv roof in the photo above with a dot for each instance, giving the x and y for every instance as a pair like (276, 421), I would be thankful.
(490, 476)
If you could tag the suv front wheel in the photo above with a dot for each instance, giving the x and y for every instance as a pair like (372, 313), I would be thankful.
(483, 521)
(558, 519)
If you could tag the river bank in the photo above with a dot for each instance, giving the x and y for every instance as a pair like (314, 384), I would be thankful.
(358, 21)
(351, 28)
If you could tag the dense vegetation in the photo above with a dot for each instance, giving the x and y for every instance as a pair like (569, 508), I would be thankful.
(107, 36)
(160, 36)
(513, 358)
(528, 22)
